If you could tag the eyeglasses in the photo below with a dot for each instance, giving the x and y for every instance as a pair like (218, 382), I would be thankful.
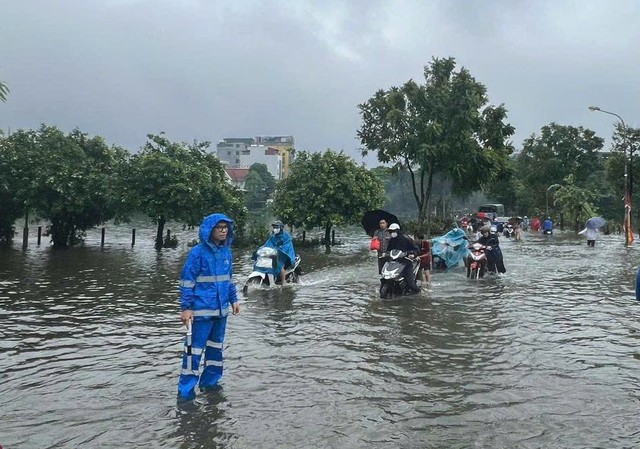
(222, 228)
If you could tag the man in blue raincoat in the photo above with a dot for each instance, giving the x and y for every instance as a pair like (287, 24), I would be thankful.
(207, 294)
(281, 240)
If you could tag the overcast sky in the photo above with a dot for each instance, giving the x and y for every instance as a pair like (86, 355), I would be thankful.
(209, 69)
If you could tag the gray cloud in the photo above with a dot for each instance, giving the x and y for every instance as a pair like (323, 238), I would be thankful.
(212, 69)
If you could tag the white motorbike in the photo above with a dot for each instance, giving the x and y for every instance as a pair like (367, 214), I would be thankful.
(391, 278)
(264, 270)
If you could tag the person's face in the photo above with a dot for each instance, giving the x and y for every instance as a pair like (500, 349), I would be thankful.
(220, 232)
(383, 224)
(485, 233)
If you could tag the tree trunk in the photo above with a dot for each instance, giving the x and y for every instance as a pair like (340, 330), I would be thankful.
(60, 232)
(426, 206)
(6, 233)
(327, 234)
(160, 232)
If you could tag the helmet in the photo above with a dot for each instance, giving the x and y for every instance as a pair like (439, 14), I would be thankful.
(485, 229)
(394, 227)
(493, 229)
(277, 223)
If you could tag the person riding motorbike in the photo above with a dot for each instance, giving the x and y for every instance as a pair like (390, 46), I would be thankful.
(547, 226)
(403, 243)
(494, 253)
(281, 240)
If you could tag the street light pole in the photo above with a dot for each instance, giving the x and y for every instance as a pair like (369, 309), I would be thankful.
(628, 184)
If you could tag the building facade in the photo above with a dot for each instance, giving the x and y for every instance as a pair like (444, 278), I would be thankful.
(276, 152)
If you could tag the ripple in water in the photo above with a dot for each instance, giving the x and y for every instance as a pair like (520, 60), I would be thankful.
(544, 356)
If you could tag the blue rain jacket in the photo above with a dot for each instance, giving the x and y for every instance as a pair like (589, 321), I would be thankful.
(451, 247)
(547, 225)
(206, 285)
(283, 243)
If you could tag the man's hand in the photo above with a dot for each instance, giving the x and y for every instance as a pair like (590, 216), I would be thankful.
(186, 316)
(235, 308)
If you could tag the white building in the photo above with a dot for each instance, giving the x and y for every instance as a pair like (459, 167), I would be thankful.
(243, 152)
(261, 154)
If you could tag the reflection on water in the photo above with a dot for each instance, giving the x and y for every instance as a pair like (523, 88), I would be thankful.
(545, 356)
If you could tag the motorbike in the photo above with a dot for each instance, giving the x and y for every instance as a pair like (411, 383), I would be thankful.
(449, 249)
(476, 261)
(264, 269)
(391, 279)
(548, 232)
(508, 230)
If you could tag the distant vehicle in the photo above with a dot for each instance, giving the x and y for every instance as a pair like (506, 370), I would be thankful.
(490, 211)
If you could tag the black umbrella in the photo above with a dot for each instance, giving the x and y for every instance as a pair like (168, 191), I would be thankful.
(371, 220)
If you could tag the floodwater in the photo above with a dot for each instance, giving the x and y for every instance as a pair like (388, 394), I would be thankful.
(546, 356)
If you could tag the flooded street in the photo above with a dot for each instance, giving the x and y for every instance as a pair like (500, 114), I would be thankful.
(545, 356)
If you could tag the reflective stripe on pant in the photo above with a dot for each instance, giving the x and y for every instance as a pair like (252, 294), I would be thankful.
(207, 338)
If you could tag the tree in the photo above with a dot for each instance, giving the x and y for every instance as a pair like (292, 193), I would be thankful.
(441, 127)
(12, 186)
(221, 195)
(574, 203)
(70, 180)
(176, 181)
(559, 151)
(326, 189)
(259, 185)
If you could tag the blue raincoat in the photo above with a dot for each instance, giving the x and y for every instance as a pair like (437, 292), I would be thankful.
(208, 290)
(283, 243)
(451, 247)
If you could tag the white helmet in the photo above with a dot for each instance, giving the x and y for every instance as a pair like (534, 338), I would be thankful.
(394, 227)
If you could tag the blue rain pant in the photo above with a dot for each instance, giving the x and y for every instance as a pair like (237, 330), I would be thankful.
(208, 338)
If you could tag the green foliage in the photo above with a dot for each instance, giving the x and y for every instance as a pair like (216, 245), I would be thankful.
(326, 189)
(559, 151)
(575, 203)
(181, 182)
(259, 185)
(12, 188)
(441, 127)
(70, 180)
(626, 141)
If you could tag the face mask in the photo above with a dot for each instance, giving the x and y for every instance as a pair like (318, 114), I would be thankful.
(276, 230)
(394, 235)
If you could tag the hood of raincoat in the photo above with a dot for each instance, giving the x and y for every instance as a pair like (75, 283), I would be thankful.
(208, 223)
(283, 243)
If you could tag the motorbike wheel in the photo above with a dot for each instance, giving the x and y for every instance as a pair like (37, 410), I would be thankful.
(385, 291)
(293, 277)
(252, 281)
